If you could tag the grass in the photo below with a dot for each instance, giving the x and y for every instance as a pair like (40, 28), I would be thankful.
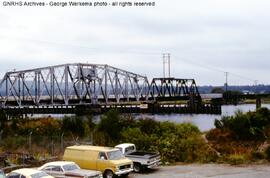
(236, 159)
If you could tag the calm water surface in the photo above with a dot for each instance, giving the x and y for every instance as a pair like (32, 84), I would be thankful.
(203, 121)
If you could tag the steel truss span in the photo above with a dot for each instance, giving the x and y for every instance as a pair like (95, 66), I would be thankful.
(173, 87)
(72, 84)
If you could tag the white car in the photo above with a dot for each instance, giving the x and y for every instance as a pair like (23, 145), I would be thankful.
(68, 169)
(28, 173)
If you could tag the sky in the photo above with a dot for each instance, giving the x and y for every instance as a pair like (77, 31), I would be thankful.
(205, 38)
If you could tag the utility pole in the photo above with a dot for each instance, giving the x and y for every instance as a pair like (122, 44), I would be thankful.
(226, 87)
(169, 65)
(226, 84)
(166, 60)
(164, 64)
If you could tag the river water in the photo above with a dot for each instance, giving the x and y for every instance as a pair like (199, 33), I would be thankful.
(203, 121)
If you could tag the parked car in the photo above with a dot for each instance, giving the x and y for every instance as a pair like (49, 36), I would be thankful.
(28, 173)
(68, 169)
(141, 159)
(2, 174)
(110, 161)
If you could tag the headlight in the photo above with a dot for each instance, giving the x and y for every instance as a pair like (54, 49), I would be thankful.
(117, 168)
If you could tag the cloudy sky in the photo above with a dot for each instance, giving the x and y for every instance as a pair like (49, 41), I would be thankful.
(204, 37)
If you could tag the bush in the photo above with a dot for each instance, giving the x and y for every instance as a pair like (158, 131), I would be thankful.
(236, 159)
(257, 155)
(74, 125)
(142, 140)
(267, 153)
(110, 124)
(248, 126)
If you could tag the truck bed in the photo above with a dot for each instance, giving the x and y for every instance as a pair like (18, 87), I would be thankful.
(141, 154)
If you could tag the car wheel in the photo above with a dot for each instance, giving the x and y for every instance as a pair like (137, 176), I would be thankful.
(137, 167)
(108, 174)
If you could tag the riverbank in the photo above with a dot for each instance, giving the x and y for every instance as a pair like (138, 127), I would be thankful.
(239, 139)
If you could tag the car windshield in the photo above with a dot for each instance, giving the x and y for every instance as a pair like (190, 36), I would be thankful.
(114, 155)
(39, 175)
(70, 167)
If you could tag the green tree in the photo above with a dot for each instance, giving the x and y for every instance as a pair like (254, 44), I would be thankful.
(217, 90)
(73, 125)
(111, 125)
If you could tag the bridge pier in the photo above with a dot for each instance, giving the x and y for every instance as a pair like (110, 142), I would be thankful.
(258, 102)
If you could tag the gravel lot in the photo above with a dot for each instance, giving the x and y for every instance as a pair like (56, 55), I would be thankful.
(207, 170)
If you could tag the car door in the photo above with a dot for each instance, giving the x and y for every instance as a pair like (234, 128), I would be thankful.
(102, 161)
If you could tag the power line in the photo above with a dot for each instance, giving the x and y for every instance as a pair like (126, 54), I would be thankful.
(137, 52)
(215, 69)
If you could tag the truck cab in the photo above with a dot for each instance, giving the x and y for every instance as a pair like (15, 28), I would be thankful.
(141, 159)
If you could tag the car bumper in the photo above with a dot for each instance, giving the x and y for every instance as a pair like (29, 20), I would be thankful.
(153, 164)
(125, 171)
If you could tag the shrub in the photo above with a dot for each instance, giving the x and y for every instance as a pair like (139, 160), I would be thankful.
(74, 125)
(142, 140)
(236, 159)
(257, 155)
(267, 153)
(248, 126)
(110, 124)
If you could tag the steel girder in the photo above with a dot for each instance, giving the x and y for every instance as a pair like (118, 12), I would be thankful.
(173, 87)
(72, 84)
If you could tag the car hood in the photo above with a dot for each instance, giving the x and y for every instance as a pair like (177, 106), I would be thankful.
(123, 161)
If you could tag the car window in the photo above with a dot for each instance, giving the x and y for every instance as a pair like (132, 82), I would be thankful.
(130, 148)
(22, 176)
(13, 175)
(102, 154)
(57, 169)
(39, 175)
(47, 168)
(70, 167)
(120, 149)
(115, 155)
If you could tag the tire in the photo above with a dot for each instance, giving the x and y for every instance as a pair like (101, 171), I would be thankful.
(137, 167)
(108, 174)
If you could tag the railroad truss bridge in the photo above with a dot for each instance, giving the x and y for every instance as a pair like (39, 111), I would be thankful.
(96, 88)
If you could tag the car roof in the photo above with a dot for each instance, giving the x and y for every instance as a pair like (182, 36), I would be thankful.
(26, 171)
(59, 163)
(125, 145)
(89, 147)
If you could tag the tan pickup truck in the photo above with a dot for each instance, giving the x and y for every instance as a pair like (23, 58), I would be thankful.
(110, 161)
